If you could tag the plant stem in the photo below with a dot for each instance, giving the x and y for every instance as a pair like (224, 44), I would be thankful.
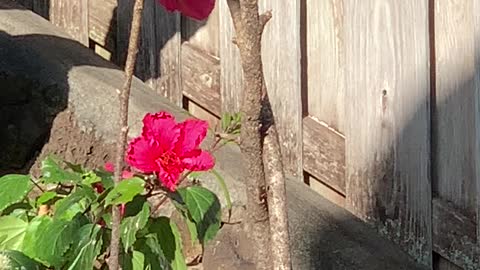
(122, 135)
(249, 27)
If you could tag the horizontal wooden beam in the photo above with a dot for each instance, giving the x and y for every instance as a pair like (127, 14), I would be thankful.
(201, 78)
(324, 154)
(103, 23)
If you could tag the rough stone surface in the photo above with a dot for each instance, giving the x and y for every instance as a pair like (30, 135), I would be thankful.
(67, 96)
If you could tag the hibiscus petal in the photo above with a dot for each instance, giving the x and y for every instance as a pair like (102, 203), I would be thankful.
(162, 127)
(199, 160)
(196, 9)
(170, 5)
(192, 133)
(142, 153)
(169, 178)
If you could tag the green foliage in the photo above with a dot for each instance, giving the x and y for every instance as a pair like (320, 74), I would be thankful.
(131, 225)
(74, 233)
(231, 123)
(52, 173)
(12, 232)
(125, 191)
(16, 260)
(87, 246)
(171, 245)
(204, 209)
(13, 189)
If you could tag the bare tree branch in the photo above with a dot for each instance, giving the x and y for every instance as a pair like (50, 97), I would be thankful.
(122, 134)
(264, 18)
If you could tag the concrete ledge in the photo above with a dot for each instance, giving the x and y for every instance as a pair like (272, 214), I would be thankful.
(81, 120)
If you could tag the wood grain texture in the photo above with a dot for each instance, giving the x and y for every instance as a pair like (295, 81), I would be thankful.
(26, 3)
(476, 34)
(145, 68)
(201, 78)
(167, 54)
(456, 128)
(42, 7)
(72, 16)
(324, 154)
(231, 86)
(102, 23)
(388, 125)
(326, 62)
(454, 235)
(282, 70)
(204, 34)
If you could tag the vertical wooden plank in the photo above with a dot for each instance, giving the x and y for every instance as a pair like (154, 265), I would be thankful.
(158, 60)
(168, 46)
(230, 68)
(476, 11)
(326, 62)
(27, 3)
(388, 121)
(456, 157)
(72, 16)
(281, 54)
(145, 65)
(203, 34)
(42, 7)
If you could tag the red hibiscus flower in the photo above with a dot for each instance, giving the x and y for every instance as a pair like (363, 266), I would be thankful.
(167, 148)
(196, 9)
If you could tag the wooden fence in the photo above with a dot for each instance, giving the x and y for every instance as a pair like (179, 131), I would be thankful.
(377, 101)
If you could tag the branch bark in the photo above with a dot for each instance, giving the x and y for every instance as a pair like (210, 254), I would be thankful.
(267, 214)
(122, 135)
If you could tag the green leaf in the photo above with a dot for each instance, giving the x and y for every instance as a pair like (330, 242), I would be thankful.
(107, 178)
(18, 261)
(20, 213)
(134, 261)
(223, 186)
(131, 225)
(45, 197)
(169, 238)
(125, 191)
(226, 121)
(52, 173)
(205, 210)
(12, 232)
(50, 240)
(13, 189)
(192, 229)
(74, 203)
(90, 178)
(154, 259)
(87, 246)
(75, 167)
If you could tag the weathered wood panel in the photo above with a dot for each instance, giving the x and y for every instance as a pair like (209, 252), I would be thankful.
(201, 78)
(72, 16)
(324, 154)
(167, 52)
(326, 62)
(103, 23)
(281, 58)
(231, 86)
(388, 121)
(455, 235)
(146, 58)
(26, 3)
(204, 34)
(42, 7)
(476, 34)
(455, 129)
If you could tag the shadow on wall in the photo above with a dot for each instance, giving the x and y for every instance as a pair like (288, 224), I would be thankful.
(33, 90)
